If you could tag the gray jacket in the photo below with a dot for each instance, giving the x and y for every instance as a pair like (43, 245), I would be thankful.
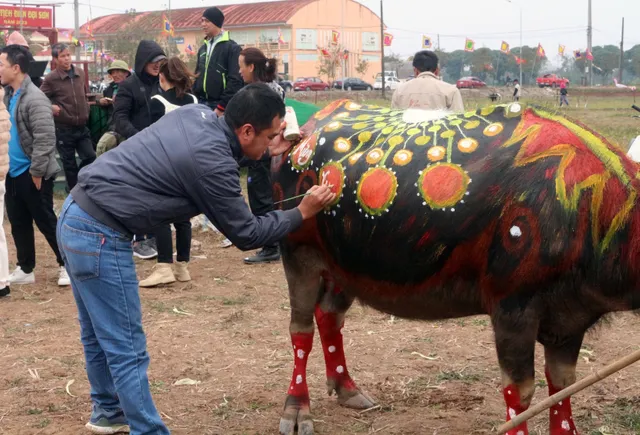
(181, 166)
(36, 128)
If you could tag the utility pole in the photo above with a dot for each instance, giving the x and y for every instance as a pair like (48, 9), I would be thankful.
(590, 47)
(76, 33)
(382, 45)
(621, 54)
(438, 42)
(21, 15)
(521, 82)
(344, 61)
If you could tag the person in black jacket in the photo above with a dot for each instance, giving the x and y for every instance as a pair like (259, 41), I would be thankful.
(175, 81)
(217, 68)
(131, 109)
(132, 113)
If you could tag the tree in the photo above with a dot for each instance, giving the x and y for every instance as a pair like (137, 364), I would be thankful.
(124, 45)
(329, 61)
(392, 62)
(362, 66)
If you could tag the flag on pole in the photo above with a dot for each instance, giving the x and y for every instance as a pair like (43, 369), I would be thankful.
(280, 38)
(504, 47)
(335, 36)
(577, 54)
(540, 51)
(519, 60)
(426, 42)
(561, 49)
(469, 45)
(589, 55)
(388, 39)
(167, 27)
(89, 29)
(189, 50)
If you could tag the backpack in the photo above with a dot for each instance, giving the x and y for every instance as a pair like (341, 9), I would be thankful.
(169, 107)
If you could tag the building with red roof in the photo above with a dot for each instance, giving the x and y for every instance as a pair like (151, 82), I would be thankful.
(294, 31)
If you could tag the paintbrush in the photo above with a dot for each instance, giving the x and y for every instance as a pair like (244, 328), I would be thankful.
(293, 197)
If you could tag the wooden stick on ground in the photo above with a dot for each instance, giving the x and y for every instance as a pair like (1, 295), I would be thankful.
(570, 391)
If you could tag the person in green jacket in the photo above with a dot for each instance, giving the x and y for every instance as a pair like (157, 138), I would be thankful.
(217, 68)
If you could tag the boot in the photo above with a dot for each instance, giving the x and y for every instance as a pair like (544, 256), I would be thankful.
(182, 273)
(162, 274)
(268, 254)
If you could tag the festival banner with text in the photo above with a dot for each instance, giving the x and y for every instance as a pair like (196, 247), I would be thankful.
(31, 17)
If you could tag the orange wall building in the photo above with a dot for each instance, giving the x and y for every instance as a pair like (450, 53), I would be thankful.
(306, 26)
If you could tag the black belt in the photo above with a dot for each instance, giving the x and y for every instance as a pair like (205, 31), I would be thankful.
(86, 203)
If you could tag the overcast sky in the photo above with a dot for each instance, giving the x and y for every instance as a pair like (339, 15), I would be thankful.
(487, 22)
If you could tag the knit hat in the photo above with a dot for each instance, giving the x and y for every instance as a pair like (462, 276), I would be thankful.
(118, 64)
(214, 15)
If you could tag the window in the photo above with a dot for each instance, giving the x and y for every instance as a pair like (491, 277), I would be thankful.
(306, 39)
(370, 41)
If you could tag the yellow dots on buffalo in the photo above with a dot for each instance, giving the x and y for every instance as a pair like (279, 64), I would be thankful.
(402, 157)
(342, 145)
(493, 129)
(472, 124)
(365, 136)
(437, 153)
(374, 156)
(396, 140)
(447, 134)
(423, 140)
(467, 145)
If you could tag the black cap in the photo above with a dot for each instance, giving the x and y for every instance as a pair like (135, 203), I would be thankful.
(214, 15)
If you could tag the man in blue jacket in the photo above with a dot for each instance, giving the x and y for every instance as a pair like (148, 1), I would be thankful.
(190, 168)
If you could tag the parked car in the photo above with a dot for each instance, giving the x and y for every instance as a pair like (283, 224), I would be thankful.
(551, 81)
(390, 83)
(470, 82)
(310, 84)
(287, 85)
(352, 84)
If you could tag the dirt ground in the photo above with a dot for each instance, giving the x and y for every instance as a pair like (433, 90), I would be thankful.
(228, 330)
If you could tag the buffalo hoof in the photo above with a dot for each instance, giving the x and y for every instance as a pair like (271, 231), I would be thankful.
(296, 417)
(359, 400)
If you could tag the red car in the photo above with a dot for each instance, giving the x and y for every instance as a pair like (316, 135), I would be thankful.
(551, 80)
(310, 84)
(470, 82)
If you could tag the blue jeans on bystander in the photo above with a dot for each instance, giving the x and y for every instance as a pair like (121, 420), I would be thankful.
(99, 261)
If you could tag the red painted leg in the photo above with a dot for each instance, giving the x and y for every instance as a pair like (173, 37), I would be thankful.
(302, 344)
(560, 416)
(297, 411)
(338, 379)
(515, 407)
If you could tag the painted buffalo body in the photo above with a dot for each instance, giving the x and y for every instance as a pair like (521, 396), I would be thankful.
(508, 211)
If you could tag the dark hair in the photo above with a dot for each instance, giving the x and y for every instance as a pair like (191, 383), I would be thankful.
(264, 70)
(176, 72)
(58, 48)
(255, 104)
(425, 61)
(18, 55)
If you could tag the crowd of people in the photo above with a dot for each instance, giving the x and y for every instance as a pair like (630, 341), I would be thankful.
(156, 166)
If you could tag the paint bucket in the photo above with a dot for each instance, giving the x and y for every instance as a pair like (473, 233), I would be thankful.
(292, 130)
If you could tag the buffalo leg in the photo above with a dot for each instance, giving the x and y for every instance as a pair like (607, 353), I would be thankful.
(302, 268)
(560, 368)
(515, 343)
(330, 314)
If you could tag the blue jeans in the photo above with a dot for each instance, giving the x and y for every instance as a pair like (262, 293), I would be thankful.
(99, 261)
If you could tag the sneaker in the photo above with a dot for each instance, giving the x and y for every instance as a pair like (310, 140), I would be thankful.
(19, 277)
(143, 250)
(63, 278)
(265, 255)
(102, 423)
(162, 274)
(226, 243)
(182, 273)
(5, 292)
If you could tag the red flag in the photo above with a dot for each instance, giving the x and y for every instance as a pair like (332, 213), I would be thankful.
(589, 55)
(541, 52)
